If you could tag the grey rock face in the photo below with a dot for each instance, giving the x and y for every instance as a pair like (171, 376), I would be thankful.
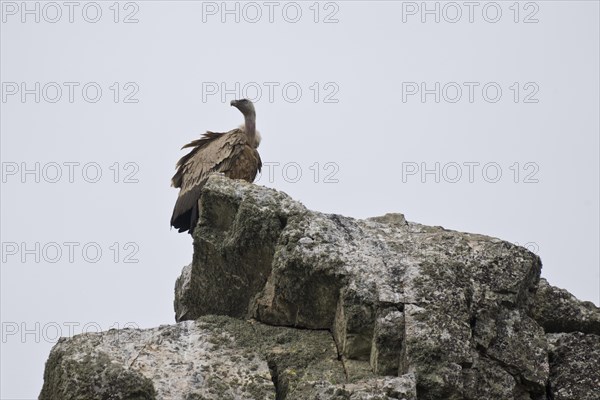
(318, 306)
(557, 310)
(168, 362)
(214, 357)
(452, 308)
(574, 366)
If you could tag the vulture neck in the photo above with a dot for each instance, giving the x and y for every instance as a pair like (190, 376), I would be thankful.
(250, 127)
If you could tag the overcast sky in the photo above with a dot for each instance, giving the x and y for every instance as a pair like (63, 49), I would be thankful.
(479, 118)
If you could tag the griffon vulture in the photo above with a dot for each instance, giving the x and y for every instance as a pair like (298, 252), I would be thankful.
(231, 153)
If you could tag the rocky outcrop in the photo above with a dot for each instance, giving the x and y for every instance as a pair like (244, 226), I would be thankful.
(575, 366)
(557, 310)
(330, 307)
(214, 357)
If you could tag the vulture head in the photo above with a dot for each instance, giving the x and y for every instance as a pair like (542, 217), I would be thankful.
(245, 106)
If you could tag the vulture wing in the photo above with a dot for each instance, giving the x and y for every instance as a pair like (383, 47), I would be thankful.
(213, 152)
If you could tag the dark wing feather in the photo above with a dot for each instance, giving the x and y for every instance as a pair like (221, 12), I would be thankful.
(214, 152)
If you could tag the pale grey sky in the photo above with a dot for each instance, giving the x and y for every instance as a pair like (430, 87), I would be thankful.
(349, 121)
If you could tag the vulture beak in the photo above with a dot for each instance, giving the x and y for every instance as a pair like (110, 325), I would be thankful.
(233, 103)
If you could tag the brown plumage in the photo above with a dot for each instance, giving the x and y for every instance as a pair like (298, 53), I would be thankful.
(231, 153)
